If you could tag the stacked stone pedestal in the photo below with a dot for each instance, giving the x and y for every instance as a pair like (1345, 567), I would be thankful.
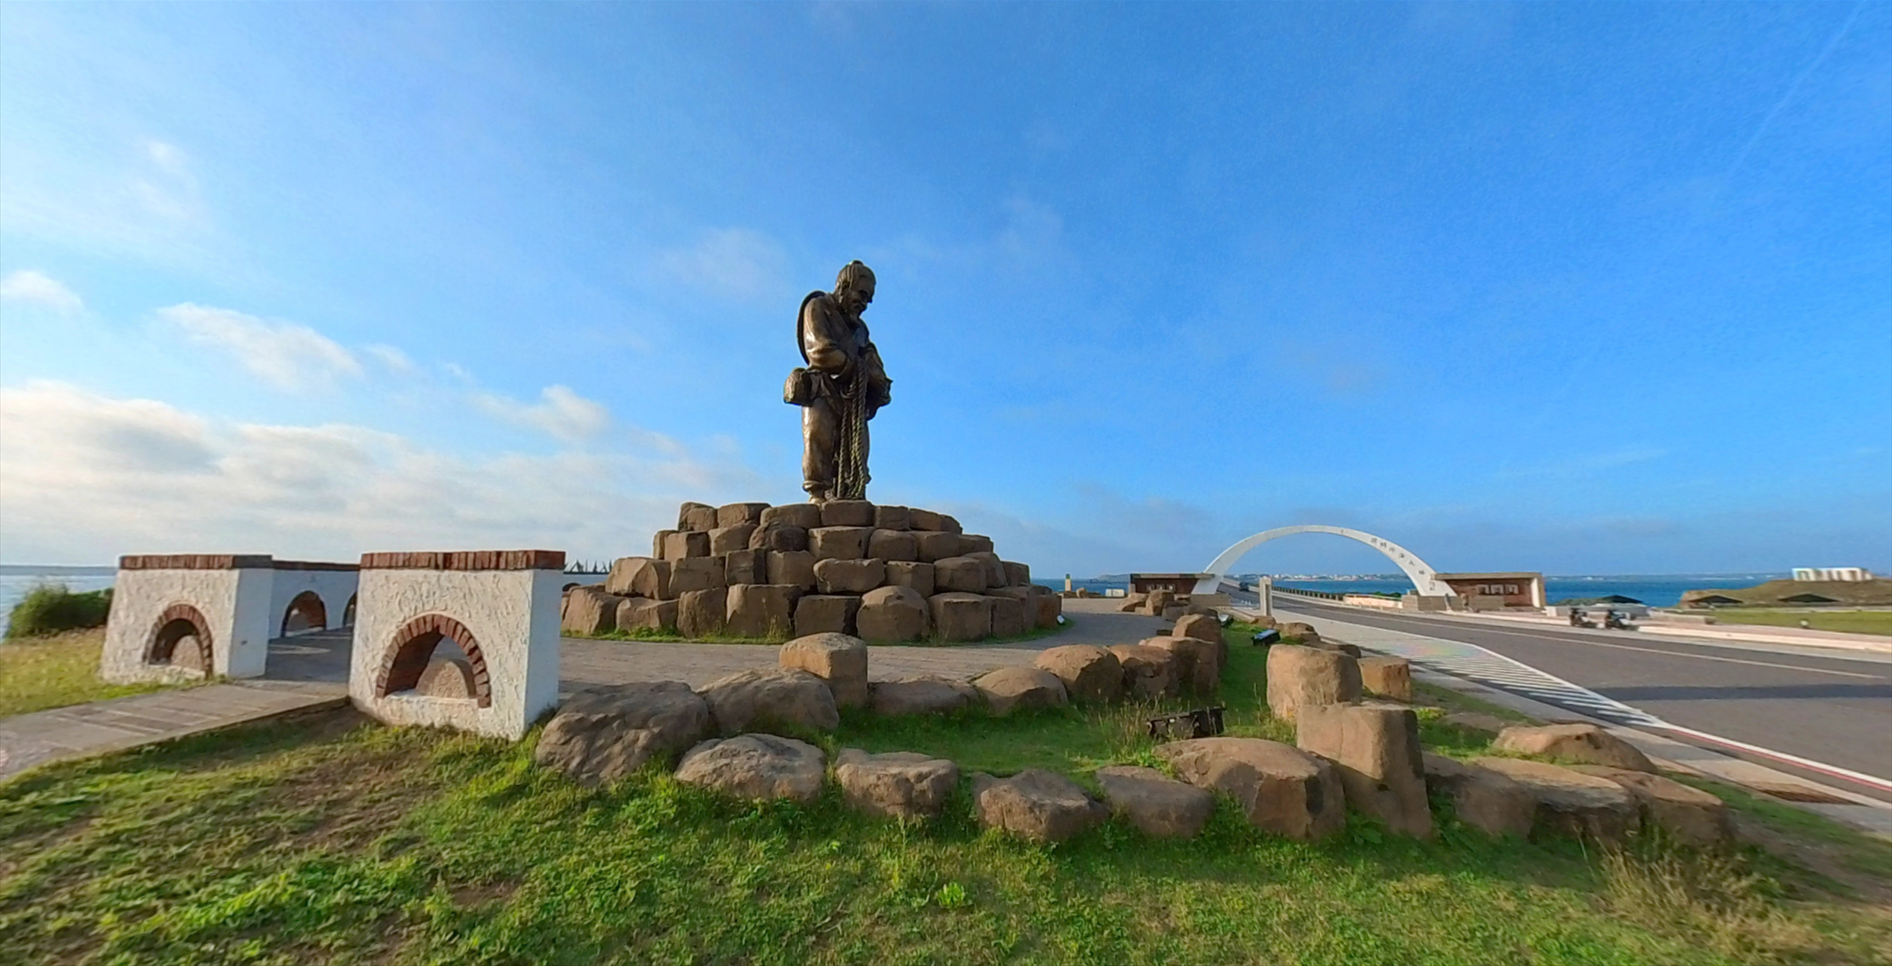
(883, 573)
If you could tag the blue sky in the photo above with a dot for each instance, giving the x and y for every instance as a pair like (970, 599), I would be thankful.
(1560, 287)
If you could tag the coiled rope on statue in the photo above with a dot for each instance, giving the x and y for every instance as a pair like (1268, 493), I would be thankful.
(850, 481)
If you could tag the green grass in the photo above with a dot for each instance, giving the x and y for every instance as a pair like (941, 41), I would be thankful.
(56, 671)
(52, 609)
(317, 841)
(1847, 621)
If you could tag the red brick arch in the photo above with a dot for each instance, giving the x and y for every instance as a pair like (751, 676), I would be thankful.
(309, 605)
(414, 646)
(171, 626)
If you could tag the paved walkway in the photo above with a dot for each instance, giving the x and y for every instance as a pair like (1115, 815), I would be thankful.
(84, 730)
(310, 672)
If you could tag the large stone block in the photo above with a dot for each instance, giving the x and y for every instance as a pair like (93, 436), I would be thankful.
(1008, 689)
(695, 573)
(971, 543)
(1279, 789)
(603, 734)
(588, 611)
(1198, 662)
(961, 617)
(1008, 617)
(1148, 672)
(682, 545)
(1585, 743)
(899, 784)
(919, 519)
(659, 541)
(745, 567)
(696, 516)
(1386, 677)
(1154, 802)
(1050, 607)
(1036, 805)
(761, 610)
(1302, 676)
(1376, 750)
(959, 574)
(756, 768)
(1202, 627)
(729, 539)
(771, 697)
(639, 577)
(795, 568)
(1570, 802)
(826, 614)
(1089, 673)
(778, 538)
(936, 545)
(893, 545)
(701, 613)
(636, 613)
(849, 576)
(839, 543)
(839, 659)
(994, 567)
(922, 694)
(847, 513)
(1689, 814)
(1158, 601)
(891, 615)
(913, 574)
(1481, 798)
(892, 518)
(1017, 574)
(802, 516)
(737, 514)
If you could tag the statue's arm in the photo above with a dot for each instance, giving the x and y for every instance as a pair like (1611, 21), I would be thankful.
(818, 339)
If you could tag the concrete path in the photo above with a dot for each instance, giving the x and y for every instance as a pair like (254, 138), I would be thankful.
(123, 723)
(310, 672)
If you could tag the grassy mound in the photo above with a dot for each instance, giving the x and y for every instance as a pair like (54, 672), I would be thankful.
(330, 840)
(51, 609)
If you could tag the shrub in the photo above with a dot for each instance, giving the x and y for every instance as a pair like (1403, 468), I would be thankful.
(51, 608)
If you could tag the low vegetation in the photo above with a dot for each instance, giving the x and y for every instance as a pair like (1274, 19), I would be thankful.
(1848, 621)
(52, 608)
(331, 840)
(56, 671)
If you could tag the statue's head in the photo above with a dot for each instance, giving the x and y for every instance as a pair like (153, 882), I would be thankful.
(854, 287)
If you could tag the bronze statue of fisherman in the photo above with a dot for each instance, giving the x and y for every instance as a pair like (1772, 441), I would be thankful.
(841, 388)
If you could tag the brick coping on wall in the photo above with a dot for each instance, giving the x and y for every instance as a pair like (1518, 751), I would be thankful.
(466, 560)
(222, 561)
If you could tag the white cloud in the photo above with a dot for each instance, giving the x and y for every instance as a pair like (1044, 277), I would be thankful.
(560, 412)
(27, 285)
(394, 359)
(729, 263)
(85, 477)
(288, 356)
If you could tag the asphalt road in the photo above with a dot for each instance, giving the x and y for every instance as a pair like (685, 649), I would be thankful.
(1835, 709)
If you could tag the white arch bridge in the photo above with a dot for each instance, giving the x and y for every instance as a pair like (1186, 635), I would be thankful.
(1424, 578)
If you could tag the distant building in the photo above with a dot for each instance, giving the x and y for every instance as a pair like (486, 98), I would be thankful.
(1496, 591)
(1821, 574)
(1180, 584)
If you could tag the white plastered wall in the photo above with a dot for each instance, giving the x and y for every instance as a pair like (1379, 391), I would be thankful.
(333, 586)
(511, 614)
(235, 606)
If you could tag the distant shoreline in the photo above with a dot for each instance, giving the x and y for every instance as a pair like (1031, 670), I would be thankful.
(52, 570)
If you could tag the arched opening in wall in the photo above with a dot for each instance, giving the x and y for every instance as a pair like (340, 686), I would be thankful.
(348, 612)
(435, 656)
(180, 638)
(305, 613)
